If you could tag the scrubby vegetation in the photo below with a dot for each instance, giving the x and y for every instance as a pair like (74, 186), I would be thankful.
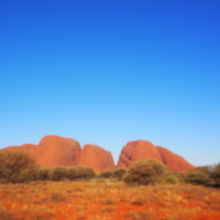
(80, 172)
(199, 176)
(119, 173)
(145, 172)
(172, 178)
(16, 166)
(116, 174)
(62, 173)
(106, 174)
(206, 175)
(216, 174)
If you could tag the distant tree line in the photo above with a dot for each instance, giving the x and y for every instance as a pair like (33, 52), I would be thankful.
(16, 166)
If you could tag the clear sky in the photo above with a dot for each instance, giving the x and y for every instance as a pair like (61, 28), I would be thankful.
(108, 72)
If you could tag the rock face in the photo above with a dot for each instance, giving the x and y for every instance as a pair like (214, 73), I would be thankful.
(59, 151)
(143, 150)
(96, 157)
(173, 161)
(138, 150)
(56, 151)
(31, 149)
(53, 151)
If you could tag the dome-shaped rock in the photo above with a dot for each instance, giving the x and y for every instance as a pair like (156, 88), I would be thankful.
(144, 150)
(96, 157)
(173, 161)
(58, 151)
(138, 150)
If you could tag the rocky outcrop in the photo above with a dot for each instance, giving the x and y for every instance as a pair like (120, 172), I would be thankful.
(96, 157)
(31, 149)
(53, 151)
(138, 150)
(173, 161)
(59, 151)
(143, 150)
(56, 151)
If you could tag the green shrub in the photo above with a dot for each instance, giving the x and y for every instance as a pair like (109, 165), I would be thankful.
(216, 175)
(206, 169)
(174, 177)
(199, 176)
(58, 173)
(106, 174)
(65, 173)
(119, 173)
(145, 172)
(80, 172)
(116, 174)
(181, 176)
(170, 178)
(44, 173)
(16, 166)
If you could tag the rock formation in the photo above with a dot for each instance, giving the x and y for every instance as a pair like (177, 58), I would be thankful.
(143, 150)
(96, 157)
(53, 151)
(59, 151)
(56, 151)
(138, 150)
(173, 161)
(31, 149)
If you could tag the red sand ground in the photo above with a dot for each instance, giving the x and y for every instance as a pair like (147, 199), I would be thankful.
(107, 201)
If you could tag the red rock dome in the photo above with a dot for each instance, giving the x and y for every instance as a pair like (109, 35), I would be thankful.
(138, 150)
(59, 151)
(96, 157)
(143, 150)
(55, 151)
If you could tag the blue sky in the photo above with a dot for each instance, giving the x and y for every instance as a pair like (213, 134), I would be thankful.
(108, 72)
